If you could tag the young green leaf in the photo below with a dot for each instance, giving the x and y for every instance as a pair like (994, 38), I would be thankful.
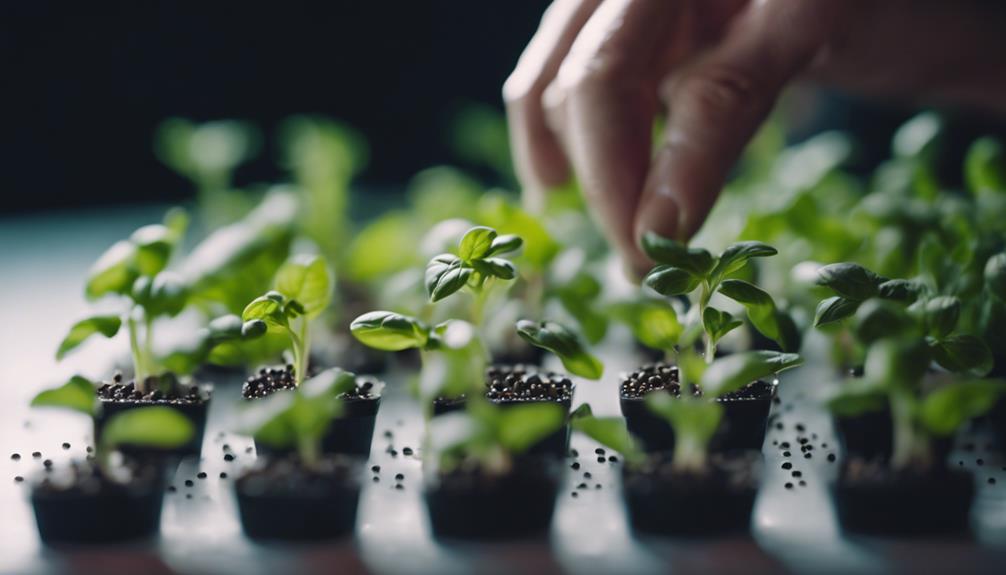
(77, 394)
(269, 308)
(906, 291)
(670, 252)
(564, 343)
(835, 308)
(718, 323)
(878, 319)
(114, 272)
(445, 275)
(476, 243)
(505, 244)
(154, 245)
(160, 295)
(995, 275)
(495, 267)
(985, 166)
(896, 362)
(735, 371)
(306, 279)
(941, 314)
(652, 321)
(762, 312)
(695, 418)
(738, 254)
(671, 281)
(851, 281)
(389, 331)
(458, 366)
(963, 354)
(523, 425)
(158, 427)
(106, 325)
(944, 411)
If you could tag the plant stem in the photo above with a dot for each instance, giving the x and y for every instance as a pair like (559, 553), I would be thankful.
(307, 448)
(139, 363)
(710, 343)
(910, 445)
(300, 339)
(689, 453)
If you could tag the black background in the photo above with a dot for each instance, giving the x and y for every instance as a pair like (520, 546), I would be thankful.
(86, 83)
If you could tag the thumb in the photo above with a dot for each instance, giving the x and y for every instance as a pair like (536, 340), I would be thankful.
(718, 102)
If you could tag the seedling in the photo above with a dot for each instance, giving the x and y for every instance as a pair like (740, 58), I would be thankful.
(610, 432)
(134, 270)
(905, 328)
(302, 289)
(682, 270)
(298, 418)
(150, 427)
(695, 418)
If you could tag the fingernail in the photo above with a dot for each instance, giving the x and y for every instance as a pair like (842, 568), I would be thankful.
(659, 211)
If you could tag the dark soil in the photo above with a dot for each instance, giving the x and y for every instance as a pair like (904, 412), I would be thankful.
(81, 505)
(473, 503)
(282, 499)
(520, 383)
(663, 376)
(269, 380)
(872, 497)
(163, 390)
(661, 499)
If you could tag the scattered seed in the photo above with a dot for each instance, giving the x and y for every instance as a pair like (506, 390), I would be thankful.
(575, 465)
(223, 475)
(388, 433)
(789, 485)
(36, 454)
(581, 486)
(226, 447)
(787, 465)
(188, 496)
(786, 454)
(574, 453)
(806, 455)
(248, 449)
(201, 475)
(229, 457)
(399, 476)
(601, 460)
(803, 483)
(575, 494)
(89, 449)
(612, 459)
(587, 475)
(172, 489)
(800, 428)
(375, 479)
(66, 445)
(18, 478)
(47, 463)
(778, 426)
(980, 461)
(399, 486)
(393, 452)
(406, 451)
(992, 480)
(15, 456)
(598, 486)
(599, 451)
(797, 473)
(831, 457)
(189, 483)
(375, 468)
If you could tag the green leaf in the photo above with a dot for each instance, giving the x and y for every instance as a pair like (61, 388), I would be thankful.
(610, 432)
(476, 243)
(331, 382)
(945, 410)
(505, 244)
(878, 319)
(738, 254)
(901, 290)
(896, 362)
(77, 394)
(106, 325)
(851, 281)
(165, 294)
(985, 166)
(521, 426)
(857, 397)
(761, 309)
(253, 329)
(114, 272)
(653, 322)
(445, 274)
(564, 343)
(963, 354)
(834, 309)
(671, 281)
(941, 315)
(158, 427)
(697, 419)
(495, 267)
(718, 323)
(736, 371)
(306, 279)
(288, 418)
(389, 331)
(269, 308)
(154, 246)
(670, 252)
(995, 275)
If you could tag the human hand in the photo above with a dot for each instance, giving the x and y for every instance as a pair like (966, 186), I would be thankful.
(586, 90)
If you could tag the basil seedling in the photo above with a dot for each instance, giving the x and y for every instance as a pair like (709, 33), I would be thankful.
(564, 343)
(682, 270)
(300, 417)
(475, 266)
(153, 427)
(695, 419)
(302, 289)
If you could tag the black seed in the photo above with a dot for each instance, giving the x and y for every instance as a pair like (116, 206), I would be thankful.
(992, 480)
(575, 465)
(980, 461)
(248, 449)
(779, 426)
(66, 445)
(399, 486)
(601, 459)
(172, 489)
(789, 485)
(797, 473)
(201, 475)
(581, 486)
(806, 455)
(784, 445)
(803, 483)
(587, 475)
(787, 465)
(831, 457)
(406, 451)
(18, 478)
(388, 433)
(375, 468)
(375, 479)
(800, 428)
(574, 453)
(226, 447)
(399, 476)
(36, 454)
(612, 459)
(47, 463)
(599, 451)
(15, 456)
(575, 494)
(188, 496)
(189, 483)
(223, 475)
(786, 454)
(228, 457)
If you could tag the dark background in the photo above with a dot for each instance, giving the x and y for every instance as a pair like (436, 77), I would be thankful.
(86, 83)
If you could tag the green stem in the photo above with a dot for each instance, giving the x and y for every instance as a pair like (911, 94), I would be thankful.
(300, 339)
(310, 453)
(710, 343)
(139, 362)
(911, 447)
(689, 453)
